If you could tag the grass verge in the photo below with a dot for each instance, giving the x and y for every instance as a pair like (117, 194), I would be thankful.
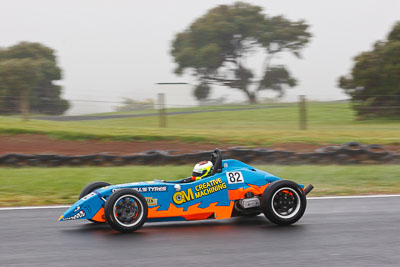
(328, 123)
(46, 186)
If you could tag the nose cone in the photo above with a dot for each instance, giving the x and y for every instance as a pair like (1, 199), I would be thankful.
(73, 213)
(86, 207)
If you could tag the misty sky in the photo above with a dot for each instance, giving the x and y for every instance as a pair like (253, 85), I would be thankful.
(114, 49)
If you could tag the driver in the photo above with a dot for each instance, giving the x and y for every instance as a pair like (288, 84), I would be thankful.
(202, 169)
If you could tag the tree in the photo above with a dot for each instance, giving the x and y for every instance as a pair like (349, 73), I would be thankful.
(216, 46)
(17, 77)
(40, 93)
(374, 82)
(202, 91)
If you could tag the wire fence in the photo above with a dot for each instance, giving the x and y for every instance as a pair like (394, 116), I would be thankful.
(301, 114)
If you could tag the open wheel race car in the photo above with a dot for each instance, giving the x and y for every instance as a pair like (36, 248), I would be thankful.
(232, 188)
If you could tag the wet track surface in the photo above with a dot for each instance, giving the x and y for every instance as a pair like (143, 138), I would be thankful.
(333, 232)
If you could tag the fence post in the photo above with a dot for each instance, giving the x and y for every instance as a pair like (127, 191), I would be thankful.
(24, 103)
(303, 112)
(161, 106)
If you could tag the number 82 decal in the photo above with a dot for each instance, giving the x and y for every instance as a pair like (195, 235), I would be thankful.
(234, 177)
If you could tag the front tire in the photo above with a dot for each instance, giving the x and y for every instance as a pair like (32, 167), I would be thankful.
(89, 189)
(126, 210)
(283, 202)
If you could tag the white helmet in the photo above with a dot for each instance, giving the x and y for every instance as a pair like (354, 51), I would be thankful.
(202, 169)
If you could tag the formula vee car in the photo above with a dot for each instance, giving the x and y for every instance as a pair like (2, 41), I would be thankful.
(233, 188)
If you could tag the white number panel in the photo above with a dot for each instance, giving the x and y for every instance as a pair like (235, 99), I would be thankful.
(234, 177)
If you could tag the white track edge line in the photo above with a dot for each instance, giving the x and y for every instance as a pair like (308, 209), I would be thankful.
(310, 198)
(347, 197)
(34, 208)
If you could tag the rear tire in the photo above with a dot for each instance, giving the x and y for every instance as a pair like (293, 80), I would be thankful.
(283, 202)
(89, 189)
(126, 210)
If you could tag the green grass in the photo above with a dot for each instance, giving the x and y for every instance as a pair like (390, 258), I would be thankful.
(44, 186)
(332, 123)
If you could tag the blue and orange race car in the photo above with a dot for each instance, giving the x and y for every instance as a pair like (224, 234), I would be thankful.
(233, 189)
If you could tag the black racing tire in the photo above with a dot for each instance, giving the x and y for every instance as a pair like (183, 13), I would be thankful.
(89, 189)
(283, 202)
(126, 210)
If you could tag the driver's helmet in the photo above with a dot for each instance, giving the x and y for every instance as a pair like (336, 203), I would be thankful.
(202, 169)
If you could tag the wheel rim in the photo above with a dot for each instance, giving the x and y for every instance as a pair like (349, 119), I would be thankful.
(285, 203)
(128, 210)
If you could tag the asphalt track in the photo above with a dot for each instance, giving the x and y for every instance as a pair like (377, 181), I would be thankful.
(333, 232)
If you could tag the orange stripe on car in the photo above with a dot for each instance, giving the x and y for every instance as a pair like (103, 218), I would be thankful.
(241, 192)
(99, 216)
(220, 212)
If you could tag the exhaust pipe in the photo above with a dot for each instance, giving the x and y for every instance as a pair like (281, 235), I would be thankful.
(308, 189)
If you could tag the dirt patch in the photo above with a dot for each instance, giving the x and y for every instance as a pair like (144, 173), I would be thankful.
(42, 144)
